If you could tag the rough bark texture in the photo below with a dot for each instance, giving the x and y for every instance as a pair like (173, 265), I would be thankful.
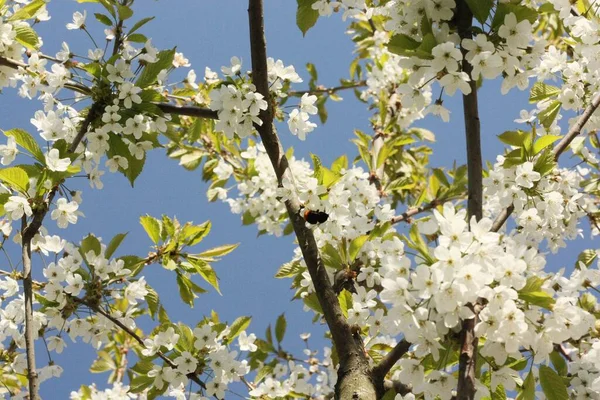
(354, 378)
(468, 340)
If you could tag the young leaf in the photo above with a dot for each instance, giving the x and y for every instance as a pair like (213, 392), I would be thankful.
(152, 227)
(103, 18)
(114, 244)
(26, 141)
(548, 115)
(27, 37)
(541, 91)
(237, 327)
(306, 16)
(480, 9)
(139, 24)
(206, 271)
(544, 142)
(528, 388)
(356, 245)
(219, 251)
(185, 289)
(280, 327)
(552, 384)
(151, 71)
(27, 11)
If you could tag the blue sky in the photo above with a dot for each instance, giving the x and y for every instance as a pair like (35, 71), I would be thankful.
(209, 33)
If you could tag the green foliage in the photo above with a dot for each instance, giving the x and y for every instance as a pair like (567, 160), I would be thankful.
(151, 71)
(533, 294)
(552, 384)
(480, 9)
(306, 17)
(280, 328)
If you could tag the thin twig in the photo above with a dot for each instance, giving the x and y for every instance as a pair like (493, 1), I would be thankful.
(411, 212)
(330, 90)
(559, 149)
(135, 336)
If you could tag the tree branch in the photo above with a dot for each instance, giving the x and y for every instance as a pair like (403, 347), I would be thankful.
(398, 387)
(468, 346)
(135, 336)
(557, 151)
(190, 111)
(353, 362)
(411, 212)
(327, 90)
(32, 375)
(390, 359)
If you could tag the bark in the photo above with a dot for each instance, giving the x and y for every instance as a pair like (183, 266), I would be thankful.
(354, 378)
(468, 341)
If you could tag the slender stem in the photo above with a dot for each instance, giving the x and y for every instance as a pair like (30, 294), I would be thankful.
(411, 212)
(557, 151)
(330, 90)
(32, 375)
(134, 335)
(468, 341)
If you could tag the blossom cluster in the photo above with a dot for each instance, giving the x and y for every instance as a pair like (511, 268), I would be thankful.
(239, 105)
(546, 207)
(258, 197)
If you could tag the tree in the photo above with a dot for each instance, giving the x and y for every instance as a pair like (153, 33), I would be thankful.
(447, 298)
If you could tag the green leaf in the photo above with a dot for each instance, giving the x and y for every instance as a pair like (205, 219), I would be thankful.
(27, 37)
(185, 289)
(289, 270)
(548, 115)
(280, 327)
(521, 12)
(26, 141)
(586, 257)
(124, 12)
(528, 388)
(401, 42)
(27, 11)
(152, 300)
(306, 17)
(194, 234)
(480, 9)
(559, 363)
(206, 271)
(104, 19)
(544, 142)
(552, 384)
(514, 138)
(345, 300)
(339, 164)
(140, 383)
(356, 245)
(151, 71)
(219, 251)
(114, 244)
(540, 91)
(139, 24)
(533, 293)
(90, 243)
(237, 327)
(137, 38)
(103, 363)
(119, 148)
(152, 227)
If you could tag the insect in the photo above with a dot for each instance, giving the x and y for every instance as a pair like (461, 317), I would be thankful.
(315, 217)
